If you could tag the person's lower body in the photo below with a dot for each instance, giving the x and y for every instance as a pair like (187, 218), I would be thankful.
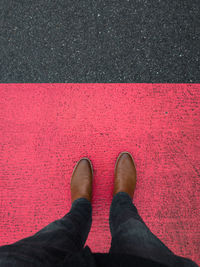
(130, 235)
(54, 242)
(67, 235)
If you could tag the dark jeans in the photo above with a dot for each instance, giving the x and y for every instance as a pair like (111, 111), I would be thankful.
(129, 233)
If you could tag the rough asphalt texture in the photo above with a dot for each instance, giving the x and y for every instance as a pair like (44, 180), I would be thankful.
(93, 41)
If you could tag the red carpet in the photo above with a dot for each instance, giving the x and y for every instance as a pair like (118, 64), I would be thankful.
(47, 128)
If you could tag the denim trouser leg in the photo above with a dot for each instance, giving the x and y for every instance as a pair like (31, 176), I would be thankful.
(58, 239)
(130, 235)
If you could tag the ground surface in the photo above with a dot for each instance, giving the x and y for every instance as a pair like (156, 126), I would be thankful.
(103, 41)
(47, 128)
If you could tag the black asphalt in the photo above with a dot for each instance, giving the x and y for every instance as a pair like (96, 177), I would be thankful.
(88, 41)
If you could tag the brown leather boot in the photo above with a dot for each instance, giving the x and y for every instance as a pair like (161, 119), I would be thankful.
(125, 174)
(81, 180)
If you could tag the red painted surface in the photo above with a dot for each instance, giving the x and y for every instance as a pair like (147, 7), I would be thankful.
(47, 128)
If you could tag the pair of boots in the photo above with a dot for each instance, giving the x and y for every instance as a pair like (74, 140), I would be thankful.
(82, 177)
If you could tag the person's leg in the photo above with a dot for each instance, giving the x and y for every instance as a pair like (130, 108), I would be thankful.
(129, 233)
(58, 239)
